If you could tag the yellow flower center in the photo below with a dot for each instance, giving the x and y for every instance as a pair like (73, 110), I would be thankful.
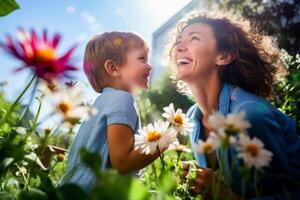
(60, 157)
(64, 107)
(178, 119)
(230, 129)
(45, 54)
(207, 147)
(252, 149)
(153, 136)
(47, 131)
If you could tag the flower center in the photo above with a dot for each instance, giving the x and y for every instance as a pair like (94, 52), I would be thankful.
(64, 107)
(45, 54)
(252, 149)
(230, 129)
(153, 136)
(178, 119)
(207, 147)
(60, 157)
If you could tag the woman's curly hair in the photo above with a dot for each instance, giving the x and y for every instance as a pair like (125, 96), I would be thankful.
(256, 62)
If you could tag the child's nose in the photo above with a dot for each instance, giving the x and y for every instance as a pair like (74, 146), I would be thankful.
(149, 67)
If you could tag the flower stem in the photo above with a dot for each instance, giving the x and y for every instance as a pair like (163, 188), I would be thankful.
(28, 104)
(255, 183)
(17, 100)
(161, 159)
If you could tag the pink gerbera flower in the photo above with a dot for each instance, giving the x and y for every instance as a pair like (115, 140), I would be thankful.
(40, 54)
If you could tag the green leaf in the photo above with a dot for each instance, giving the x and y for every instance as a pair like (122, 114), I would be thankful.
(33, 194)
(6, 196)
(137, 191)
(7, 162)
(71, 191)
(91, 159)
(7, 6)
(34, 158)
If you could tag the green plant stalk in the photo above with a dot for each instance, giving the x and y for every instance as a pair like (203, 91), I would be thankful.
(34, 123)
(220, 173)
(243, 188)
(28, 104)
(154, 171)
(255, 183)
(214, 181)
(245, 178)
(161, 159)
(17, 100)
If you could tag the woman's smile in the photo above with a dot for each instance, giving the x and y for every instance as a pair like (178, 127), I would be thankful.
(181, 62)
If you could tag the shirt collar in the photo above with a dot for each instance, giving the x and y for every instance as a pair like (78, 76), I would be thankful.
(224, 98)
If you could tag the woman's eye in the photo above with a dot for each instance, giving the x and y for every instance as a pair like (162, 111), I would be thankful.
(195, 38)
(177, 42)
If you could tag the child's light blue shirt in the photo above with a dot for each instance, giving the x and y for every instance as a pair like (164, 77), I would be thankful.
(113, 107)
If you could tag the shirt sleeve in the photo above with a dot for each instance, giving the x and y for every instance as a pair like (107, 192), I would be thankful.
(122, 110)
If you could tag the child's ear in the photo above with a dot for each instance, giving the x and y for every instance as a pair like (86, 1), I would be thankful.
(225, 58)
(111, 68)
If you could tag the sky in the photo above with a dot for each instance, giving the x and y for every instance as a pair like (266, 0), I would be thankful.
(77, 21)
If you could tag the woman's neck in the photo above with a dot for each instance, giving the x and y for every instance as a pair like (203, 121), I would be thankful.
(206, 92)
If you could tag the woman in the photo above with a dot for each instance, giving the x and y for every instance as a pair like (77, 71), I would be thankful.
(230, 68)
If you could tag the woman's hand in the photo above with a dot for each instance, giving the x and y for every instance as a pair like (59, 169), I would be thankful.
(203, 180)
(203, 183)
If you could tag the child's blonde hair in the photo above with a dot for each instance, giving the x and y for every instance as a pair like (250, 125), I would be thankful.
(102, 47)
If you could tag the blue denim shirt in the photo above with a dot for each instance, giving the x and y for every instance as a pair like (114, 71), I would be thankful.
(114, 107)
(276, 130)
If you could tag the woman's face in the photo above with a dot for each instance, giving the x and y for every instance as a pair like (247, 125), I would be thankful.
(195, 52)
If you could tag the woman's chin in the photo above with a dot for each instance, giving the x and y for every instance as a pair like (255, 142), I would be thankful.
(180, 76)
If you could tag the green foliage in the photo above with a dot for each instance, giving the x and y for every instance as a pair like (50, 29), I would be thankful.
(288, 89)
(8, 6)
(276, 18)
(110, 181)
(168, 183)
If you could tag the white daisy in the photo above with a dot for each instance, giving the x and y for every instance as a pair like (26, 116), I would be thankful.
(252, 152)
(69, 104)
(155, 135)
(212, 143)
(49, 88)
(178, 119)
(232, 124)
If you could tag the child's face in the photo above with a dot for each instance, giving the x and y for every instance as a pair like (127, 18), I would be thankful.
(136, 71)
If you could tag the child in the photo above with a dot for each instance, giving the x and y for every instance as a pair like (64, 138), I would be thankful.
(115, 63)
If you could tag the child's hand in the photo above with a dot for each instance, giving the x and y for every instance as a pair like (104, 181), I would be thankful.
(122, 156)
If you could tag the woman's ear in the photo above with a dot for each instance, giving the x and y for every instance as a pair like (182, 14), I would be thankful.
(225, 58)
(111, 68)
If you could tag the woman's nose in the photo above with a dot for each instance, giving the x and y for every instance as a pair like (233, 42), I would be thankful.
(180, 47)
